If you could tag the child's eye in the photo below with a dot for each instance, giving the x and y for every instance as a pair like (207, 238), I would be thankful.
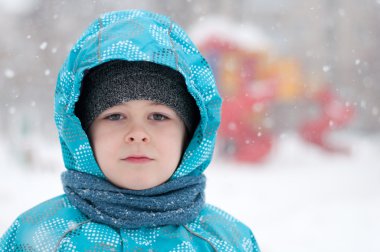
(114, 117)
(158, 117)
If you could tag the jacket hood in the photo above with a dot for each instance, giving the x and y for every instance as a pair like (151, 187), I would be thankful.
(136, 35)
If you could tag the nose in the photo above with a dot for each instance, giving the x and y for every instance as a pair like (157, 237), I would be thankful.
(137, 135)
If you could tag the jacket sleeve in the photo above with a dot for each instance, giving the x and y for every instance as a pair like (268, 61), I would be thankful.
(8, 242)
(255, 246)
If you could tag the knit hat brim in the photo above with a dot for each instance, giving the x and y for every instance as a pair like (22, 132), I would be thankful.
(119, 81)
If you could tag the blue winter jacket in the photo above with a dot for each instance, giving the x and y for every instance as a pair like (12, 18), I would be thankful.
(56, 225)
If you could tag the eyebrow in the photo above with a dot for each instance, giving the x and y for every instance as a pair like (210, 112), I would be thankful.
(155, 103)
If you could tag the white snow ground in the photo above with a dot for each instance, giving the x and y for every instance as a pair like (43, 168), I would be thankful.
(300, 200)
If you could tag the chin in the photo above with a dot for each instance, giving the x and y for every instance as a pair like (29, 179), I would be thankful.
(138, 187)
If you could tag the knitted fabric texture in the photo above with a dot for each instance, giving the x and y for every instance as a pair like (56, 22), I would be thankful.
(175, 202)
(120, 81)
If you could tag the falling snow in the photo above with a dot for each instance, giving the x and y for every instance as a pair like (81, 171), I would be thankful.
(9, 73)
(43, 45)
(300, 196)
(232, 126)
(326, 68)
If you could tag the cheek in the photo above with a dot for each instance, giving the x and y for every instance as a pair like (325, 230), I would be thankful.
(103, 144)
(171, 142)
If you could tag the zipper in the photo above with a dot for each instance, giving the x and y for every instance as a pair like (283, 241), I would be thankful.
(68, 231)
(201, 237)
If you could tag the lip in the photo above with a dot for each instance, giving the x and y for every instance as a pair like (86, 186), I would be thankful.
(138, 159)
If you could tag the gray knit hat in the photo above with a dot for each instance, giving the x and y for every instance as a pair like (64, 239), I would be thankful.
(119, 81)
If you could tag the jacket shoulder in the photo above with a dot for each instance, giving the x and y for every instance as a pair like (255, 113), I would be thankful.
(58, 207)
(41, 225)
(223, 231)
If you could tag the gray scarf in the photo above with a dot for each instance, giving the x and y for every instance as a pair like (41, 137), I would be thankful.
(175, 202)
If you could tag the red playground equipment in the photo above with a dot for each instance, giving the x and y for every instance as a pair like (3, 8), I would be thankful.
(250, 82)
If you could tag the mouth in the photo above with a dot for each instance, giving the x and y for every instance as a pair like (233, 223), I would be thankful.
(137, 159)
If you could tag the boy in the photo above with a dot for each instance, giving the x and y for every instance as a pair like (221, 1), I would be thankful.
(137, 112)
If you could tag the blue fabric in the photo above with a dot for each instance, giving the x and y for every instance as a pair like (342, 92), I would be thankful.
(176, 202)
(58, 225)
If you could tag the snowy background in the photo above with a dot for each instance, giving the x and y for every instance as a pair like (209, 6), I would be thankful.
(300, 198)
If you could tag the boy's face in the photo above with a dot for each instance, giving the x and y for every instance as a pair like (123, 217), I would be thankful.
(138, 144)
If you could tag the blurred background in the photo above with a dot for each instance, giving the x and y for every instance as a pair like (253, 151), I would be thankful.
(300, 134)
